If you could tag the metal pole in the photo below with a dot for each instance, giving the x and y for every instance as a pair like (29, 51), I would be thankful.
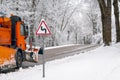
(43, 56)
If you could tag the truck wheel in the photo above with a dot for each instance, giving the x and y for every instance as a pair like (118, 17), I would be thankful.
(19, 59)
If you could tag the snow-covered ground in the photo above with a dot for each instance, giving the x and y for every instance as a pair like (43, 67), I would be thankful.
(102, 63)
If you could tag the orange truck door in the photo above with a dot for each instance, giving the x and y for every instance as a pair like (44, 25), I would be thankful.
(20, 35)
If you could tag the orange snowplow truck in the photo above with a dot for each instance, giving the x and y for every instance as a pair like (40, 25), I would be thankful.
(13, 51)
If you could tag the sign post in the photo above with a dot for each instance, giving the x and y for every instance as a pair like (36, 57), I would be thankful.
(43, 59)
(43, 30)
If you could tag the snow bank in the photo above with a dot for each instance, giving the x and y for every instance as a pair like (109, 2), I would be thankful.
(53, 47)
(102, 63)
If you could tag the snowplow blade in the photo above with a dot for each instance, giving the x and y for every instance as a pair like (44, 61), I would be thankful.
(7, 56)
(32, 55)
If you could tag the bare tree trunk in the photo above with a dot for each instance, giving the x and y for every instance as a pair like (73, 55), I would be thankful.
(108, 29)
(116, 13)
(106, 20)
(1, 1)
(32, 20)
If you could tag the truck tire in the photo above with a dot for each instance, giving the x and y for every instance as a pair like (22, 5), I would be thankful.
(19, 59)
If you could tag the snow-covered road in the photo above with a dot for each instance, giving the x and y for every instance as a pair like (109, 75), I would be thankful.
(102, 63)
(57, 52)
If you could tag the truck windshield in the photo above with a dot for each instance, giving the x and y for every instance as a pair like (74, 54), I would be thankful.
(22, 30)
(26, 30)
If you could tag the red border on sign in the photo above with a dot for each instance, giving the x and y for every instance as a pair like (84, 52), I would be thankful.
(43, 22)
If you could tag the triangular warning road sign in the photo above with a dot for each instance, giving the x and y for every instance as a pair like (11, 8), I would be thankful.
(43, 29)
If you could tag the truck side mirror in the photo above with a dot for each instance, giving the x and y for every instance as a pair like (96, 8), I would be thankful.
(40, 51)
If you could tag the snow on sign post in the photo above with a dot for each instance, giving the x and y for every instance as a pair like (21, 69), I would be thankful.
(43, 30)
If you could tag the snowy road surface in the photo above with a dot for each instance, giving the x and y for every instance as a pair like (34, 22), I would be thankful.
(102, 63)
(52, 53)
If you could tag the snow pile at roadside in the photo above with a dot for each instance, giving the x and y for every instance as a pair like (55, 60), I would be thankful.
(102, 63)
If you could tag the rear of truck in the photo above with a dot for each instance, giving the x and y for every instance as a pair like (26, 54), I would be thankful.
(6, 53)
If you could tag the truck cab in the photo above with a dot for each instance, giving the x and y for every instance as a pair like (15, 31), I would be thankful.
(19, 33)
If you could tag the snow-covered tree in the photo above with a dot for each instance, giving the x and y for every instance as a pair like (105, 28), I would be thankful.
(70, 21)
